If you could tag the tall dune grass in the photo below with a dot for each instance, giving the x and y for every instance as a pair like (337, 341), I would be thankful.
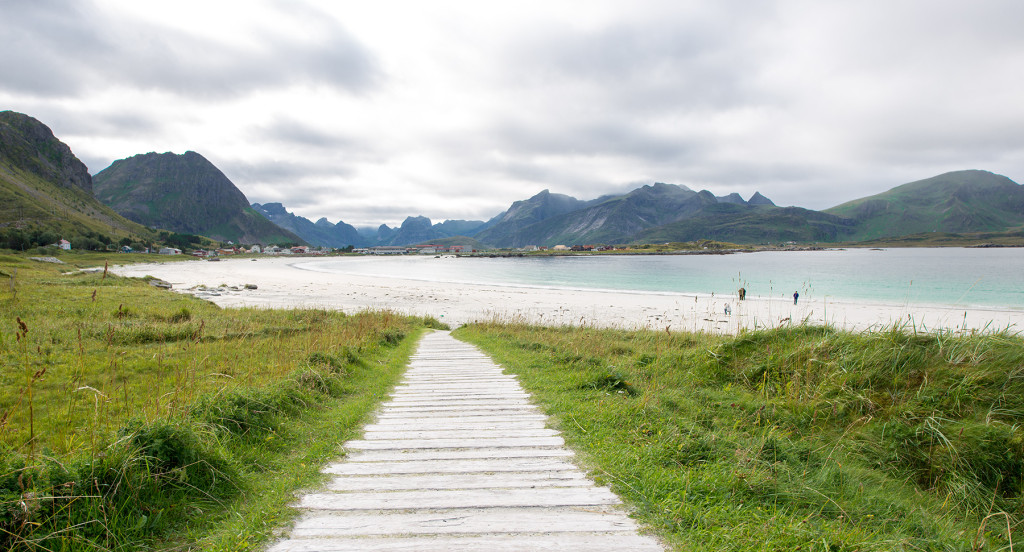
(134, 417)
(800, 438)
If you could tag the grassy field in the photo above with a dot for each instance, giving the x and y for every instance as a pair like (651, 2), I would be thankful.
(800, 438)
(136, 418)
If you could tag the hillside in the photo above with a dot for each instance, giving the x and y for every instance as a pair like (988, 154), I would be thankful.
(954, 202)
(505, 229)
(184, 193)
(753, 225)
(47, 193)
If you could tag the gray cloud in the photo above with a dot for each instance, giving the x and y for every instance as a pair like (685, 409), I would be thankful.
(364, 116)
(292, 132)
(64, 47)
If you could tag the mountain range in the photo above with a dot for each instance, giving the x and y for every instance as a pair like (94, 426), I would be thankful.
(48, 192)
(959, 202)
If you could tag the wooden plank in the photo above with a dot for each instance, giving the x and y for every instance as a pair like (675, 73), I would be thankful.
(454, 454)
(557, 542)
(469, 465)
(455, 433)
(412, 482)
(379, 444)
(451, 424)
(468, 520)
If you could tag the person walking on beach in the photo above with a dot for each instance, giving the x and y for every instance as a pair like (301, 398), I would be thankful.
(743, 293)
(796, 295)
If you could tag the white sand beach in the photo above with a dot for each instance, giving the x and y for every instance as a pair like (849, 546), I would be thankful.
(279, 284)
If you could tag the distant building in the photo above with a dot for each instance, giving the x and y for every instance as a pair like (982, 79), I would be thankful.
(64, 244)
(126, 249)
(255, 249)
(560, 248)
(170, 251)
(388, 250)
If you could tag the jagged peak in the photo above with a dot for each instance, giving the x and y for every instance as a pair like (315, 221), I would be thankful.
(416, 220)
(271, 208)
(758, 199)
(732, 198)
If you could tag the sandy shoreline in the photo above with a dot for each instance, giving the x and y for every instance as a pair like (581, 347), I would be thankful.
(281, 285)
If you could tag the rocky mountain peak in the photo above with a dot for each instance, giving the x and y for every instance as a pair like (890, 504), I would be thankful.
(30, 145)
(758, 199)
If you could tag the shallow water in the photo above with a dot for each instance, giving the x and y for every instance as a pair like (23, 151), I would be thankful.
(933, 276)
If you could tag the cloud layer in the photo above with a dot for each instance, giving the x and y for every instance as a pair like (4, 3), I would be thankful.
(370, 112)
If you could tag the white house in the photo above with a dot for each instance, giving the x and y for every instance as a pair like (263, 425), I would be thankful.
(388, 250)
(170, 251)
(64, 244)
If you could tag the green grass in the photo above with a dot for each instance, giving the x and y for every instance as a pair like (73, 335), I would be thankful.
(792, 439)
(133, 417)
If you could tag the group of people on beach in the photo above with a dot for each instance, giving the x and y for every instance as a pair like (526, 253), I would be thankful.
(742, 294)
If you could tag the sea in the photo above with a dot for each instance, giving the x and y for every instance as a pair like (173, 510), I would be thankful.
(961, 277)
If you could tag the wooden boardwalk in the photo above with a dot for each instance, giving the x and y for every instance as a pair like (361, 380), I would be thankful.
(459, 460)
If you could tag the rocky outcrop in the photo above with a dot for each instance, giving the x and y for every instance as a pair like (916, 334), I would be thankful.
(27, 144)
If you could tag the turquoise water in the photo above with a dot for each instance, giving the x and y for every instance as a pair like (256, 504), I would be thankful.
(940, 276)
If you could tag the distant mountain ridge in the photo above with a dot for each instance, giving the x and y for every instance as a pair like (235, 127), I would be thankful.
(550, 219)
(187, 194)
(962, 201)
(320, 233)
(413, 230)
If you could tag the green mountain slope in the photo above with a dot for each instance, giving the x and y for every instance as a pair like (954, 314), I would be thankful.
(957, 202)
(46, 193)
(753, 224)
(184, 193)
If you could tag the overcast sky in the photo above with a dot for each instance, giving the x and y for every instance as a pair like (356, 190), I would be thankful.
(371, 111)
